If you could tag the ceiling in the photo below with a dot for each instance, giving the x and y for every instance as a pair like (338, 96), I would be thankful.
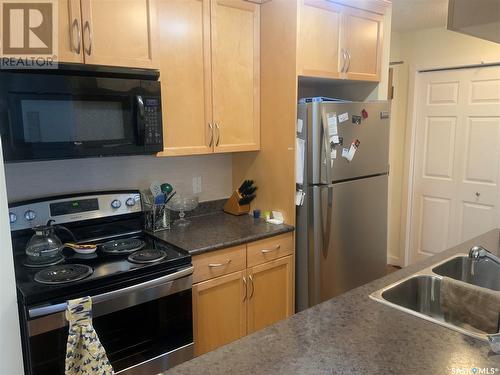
(418, 14)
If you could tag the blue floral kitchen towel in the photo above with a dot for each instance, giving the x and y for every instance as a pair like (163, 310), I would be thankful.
(84, 353)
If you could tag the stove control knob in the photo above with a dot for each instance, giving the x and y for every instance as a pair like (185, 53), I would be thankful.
(30, 215)
(130, 202)
(12, 217)
(116, 203)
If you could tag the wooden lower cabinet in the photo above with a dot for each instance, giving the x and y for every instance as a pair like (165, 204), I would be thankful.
(219, 311)
(228, 307)
(270, 293)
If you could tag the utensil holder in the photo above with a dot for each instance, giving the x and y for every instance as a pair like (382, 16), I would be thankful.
(156, 216)
(233, 207)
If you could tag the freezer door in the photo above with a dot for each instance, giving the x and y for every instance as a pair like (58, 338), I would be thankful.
(372, 155)
(348, 243)
(317, 168)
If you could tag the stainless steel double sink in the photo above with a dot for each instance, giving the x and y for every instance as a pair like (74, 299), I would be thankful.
(419, 294)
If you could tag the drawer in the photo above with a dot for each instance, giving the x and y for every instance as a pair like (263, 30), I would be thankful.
(271, 248)
(218, 263)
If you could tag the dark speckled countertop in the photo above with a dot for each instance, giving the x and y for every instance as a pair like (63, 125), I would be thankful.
(352, 334)
(218, 230)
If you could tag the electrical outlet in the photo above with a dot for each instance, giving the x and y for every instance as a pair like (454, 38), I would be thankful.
(197, 185)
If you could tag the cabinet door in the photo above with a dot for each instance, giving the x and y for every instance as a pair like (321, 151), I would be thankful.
(219, 311)
(236, 75)
(120, 33)
(363, 37)
(184, 58)
(319, 54)
(270, 296)
(70, 32)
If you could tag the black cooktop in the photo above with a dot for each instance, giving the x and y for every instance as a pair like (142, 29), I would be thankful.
(110, 271)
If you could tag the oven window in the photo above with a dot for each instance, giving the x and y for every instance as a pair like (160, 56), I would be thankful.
(129, 336)
(47, 121)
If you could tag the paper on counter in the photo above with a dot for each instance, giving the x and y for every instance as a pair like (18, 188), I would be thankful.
(300, 148)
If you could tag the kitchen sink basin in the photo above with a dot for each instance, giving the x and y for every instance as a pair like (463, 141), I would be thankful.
(485, 273)
(419, 294)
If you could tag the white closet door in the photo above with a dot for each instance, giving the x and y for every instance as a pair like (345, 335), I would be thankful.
(456, 160)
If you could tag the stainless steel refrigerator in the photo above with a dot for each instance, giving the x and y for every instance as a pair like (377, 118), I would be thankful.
(342, 222)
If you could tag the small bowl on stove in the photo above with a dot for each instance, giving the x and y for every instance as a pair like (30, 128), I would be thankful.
(81, 248)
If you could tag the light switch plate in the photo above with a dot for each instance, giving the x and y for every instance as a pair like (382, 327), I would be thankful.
(197, 185)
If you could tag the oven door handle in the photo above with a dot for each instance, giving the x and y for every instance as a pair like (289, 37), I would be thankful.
(61, 307)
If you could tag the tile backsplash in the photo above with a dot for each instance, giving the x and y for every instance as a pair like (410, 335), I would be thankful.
(38, 179)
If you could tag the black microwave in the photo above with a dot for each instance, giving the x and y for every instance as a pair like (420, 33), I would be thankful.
(79, 111)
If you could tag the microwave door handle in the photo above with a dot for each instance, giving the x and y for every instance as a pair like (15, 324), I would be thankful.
(140, 106)
(140, 118)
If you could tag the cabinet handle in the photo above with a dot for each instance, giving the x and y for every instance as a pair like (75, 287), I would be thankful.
(348, 60)
(265, 251)
(219, 264)
(251, 283)
(76, 25)
(344, 58)
(87, 26)
(245, 283)
(218, 134)
(211, 127)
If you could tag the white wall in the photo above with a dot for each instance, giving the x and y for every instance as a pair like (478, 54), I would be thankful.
(10, 342)
(420, 50)
(36, 179)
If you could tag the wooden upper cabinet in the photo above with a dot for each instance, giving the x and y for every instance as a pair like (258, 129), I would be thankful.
(119, 33)
(340, 42)
(319, 39)
(235, 75)
(270, 297)
(219, 311)
(184, 57)
(363, 43)
(70, 32)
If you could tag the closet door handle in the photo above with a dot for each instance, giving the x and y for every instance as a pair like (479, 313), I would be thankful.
(75, 25)
(87, 26)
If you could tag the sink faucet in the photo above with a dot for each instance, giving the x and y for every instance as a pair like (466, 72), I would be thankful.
(479, 252)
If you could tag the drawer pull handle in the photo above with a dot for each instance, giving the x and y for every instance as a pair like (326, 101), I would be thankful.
(265, 251)
(219, 264)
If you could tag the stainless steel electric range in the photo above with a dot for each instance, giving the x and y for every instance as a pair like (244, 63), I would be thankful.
(140, 285)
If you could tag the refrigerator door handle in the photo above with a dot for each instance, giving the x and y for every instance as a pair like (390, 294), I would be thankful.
(326, 146)
(328, 207)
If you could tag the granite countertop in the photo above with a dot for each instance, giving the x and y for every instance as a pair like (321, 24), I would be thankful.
(218, 230)
(352, 334)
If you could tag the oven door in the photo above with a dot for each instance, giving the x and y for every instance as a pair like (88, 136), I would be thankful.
(57, 117)
(145, 328)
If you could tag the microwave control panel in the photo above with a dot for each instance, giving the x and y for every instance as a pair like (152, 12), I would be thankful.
(152, 121)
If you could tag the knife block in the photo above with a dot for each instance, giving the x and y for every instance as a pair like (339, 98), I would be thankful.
(233, 207)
